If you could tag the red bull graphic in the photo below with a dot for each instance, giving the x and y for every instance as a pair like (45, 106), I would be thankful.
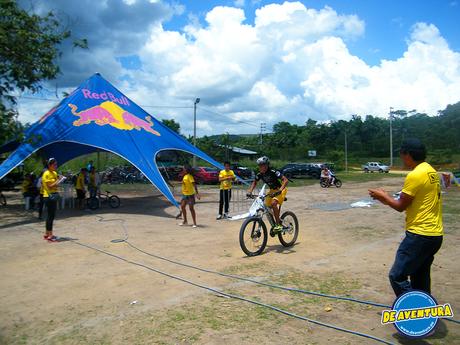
(110, 113)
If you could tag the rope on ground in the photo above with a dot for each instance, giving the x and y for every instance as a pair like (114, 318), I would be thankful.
(232, 276)
(271, 285)
(241, 298)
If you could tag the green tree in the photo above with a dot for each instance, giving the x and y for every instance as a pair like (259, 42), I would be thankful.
(172, 124)
(28, 55)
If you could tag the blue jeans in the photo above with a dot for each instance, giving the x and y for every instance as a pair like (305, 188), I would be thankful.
(413, 260)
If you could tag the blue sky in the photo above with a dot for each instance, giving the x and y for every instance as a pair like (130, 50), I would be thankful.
(387, 21)
(256, 61)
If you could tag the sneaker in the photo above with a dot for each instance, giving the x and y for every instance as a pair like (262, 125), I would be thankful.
(226, 216)
(53, 239)
(183, 224)
(194, 226)
(219, 217)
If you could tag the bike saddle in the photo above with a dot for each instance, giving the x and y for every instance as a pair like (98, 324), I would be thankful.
(107, 191)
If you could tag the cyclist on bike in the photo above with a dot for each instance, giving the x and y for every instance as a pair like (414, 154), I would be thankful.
(277, 183)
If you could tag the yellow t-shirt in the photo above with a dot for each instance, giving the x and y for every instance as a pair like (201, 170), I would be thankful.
(80, 184)
(187, 185)
(42, 189)
(92, 179)
(49, 177)
(424, 214)
(26, 184)
(226, 184)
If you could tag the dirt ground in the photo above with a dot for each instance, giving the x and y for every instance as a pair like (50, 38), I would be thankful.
(65, 293)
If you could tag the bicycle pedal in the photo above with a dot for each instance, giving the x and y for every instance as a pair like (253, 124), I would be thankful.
(272, 233)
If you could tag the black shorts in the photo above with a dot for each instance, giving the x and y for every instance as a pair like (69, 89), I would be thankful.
(81, 194)
(189, 199)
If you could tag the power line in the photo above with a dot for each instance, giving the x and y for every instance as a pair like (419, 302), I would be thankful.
(229, 117)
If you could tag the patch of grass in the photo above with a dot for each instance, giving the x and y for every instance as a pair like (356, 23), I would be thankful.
(244, 269)
(360, 176)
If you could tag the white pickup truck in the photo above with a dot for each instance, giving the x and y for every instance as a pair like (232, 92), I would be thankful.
(375, 166)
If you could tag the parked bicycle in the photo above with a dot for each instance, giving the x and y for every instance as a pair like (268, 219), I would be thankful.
(253, 232)
(94, 203)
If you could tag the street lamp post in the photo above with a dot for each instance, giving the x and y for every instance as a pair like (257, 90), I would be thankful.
(391, 136)
(194, 128)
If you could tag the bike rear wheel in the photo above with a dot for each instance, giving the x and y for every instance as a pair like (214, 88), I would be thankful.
(253, 236)
(92, 203)
(288, 236)
(114, 201)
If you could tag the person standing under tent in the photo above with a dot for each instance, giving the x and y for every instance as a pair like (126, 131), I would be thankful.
(50, 182)
(41, 191)
(421, 199)
(94, 183)
(189, 191)
(226, 177)
(26, 189)
(80, 188)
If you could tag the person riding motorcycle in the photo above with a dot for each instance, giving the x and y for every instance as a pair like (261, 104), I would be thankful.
(277, 183)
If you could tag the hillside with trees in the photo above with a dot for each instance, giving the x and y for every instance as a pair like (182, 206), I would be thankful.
(367, 136)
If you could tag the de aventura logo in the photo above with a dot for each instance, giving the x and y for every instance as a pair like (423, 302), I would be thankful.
(415, 314)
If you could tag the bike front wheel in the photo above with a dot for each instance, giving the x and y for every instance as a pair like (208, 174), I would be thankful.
(338, 183)
(290, 231)
(253, 236)
(114, 201)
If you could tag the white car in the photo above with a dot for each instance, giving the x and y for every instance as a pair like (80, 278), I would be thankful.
(375, 166)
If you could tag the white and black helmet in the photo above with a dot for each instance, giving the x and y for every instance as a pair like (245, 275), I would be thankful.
(263, 160)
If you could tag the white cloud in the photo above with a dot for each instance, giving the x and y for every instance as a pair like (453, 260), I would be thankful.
(239, 3)
(291, 64)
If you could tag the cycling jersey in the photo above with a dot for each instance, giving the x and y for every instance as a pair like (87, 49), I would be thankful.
(271, 177)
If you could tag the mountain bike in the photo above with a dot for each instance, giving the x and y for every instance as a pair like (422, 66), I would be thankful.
(253, 232)
(94, 203)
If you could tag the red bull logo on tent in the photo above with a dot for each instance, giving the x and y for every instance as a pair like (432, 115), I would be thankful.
(110, 113)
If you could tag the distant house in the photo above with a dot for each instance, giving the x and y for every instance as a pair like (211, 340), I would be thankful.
(236, 153)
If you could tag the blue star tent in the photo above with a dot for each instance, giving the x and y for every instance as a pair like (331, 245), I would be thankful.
(98, 117)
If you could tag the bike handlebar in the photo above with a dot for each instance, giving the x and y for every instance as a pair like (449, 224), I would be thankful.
(270, 195)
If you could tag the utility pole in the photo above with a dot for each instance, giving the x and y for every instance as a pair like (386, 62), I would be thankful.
(263, 127)
(391, 136)
(346, 152)
(194, 128)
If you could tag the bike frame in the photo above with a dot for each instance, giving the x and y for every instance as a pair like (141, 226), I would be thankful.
(259, 209)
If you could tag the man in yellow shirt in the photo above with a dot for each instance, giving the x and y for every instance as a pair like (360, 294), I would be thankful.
(421, 199)
(50, 183)
(226, 177)
(80, 188)
(189, 190)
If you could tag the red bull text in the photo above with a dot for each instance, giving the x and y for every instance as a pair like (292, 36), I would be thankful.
(105, 96)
